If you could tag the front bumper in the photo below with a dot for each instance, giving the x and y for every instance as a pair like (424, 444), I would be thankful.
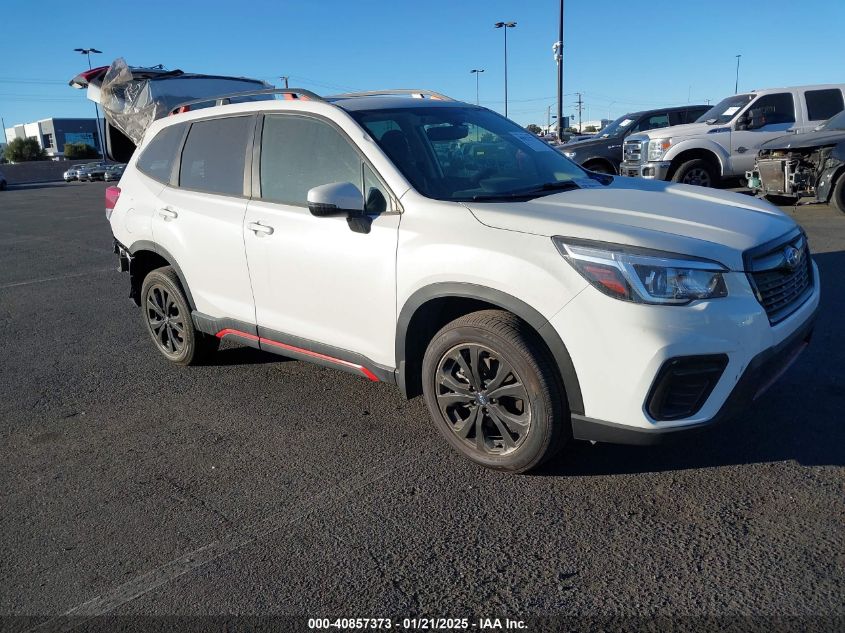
(619, 349)
(652, 171)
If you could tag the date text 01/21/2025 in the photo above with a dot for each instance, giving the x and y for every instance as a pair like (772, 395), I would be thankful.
(418, 624)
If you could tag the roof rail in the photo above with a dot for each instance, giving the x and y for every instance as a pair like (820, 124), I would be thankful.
(294, 93)
(412, 92)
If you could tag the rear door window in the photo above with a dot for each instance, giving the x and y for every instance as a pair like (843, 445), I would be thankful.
(214, 157)
(158, 157)
(823, 104)
(652, 122)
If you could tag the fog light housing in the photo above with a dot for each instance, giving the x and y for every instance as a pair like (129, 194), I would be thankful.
(683, 385)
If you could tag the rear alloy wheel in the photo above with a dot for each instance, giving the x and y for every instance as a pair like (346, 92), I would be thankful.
(696, 172)
(167, 316)
(837, 197)
(492, 392)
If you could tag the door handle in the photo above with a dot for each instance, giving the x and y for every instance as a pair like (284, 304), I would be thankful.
(168, 213)
(260, 229)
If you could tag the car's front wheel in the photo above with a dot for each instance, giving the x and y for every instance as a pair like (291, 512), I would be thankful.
(167, 316)
(492, 391)
(697, 172)
(837, 197)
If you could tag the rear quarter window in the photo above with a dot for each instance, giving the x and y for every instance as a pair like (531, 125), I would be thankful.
(214, 157)
(157, 158)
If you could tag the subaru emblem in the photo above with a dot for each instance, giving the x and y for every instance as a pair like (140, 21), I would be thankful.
(792, 257)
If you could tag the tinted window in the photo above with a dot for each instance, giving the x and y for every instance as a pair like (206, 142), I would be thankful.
(653, 122)
(157, 158)
(823, 104)
(298, 153)
(214, 155)
(772, 109)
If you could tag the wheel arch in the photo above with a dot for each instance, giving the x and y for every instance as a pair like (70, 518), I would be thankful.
(604, 160)
(147, 256)
(710, 152)
(431, 307)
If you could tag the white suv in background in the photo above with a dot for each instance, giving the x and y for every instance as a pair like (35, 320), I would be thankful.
(724, 141)
(437, 245)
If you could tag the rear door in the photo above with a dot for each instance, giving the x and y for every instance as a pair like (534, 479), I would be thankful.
(200, 215)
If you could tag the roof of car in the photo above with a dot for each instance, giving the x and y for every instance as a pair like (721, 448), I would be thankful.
(390, 102)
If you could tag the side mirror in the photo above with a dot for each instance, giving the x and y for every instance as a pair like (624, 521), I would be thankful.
(336, 199)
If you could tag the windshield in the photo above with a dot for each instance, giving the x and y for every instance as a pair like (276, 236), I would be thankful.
(725, 110)
(469, 153)
(836, 122)
(618, 127)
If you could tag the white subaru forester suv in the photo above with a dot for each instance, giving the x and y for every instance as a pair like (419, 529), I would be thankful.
(437, 245)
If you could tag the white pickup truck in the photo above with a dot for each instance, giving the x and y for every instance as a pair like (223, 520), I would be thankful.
(724, 141)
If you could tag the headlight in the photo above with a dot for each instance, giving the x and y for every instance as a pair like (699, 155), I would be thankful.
(657, 147)
(643, 275)
(569, 154)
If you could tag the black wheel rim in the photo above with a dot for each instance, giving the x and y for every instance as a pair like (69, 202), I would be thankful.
(165, 320)
(483, 400)
(697, 176)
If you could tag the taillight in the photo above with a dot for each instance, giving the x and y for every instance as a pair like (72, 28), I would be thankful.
(112, 194)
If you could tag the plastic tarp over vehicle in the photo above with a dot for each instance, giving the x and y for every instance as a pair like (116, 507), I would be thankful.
(132, 104)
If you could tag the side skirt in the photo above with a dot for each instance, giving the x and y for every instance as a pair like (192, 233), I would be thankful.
(293, 347)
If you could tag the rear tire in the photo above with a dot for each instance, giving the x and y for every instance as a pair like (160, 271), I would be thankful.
(837, 196)
(167, 317)
(493, 392)
(697, 172)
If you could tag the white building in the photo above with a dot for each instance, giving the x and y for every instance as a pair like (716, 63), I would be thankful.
(52, 134)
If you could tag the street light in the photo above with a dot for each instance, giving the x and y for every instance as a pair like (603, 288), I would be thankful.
(506, 26)
(476, 72)
(87, 52)
(285, 79)
(736, 85)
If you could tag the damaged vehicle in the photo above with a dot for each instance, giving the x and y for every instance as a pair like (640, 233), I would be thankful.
(132, 97)
(804, 165)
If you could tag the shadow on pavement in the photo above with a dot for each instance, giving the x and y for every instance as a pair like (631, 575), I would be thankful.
(243, 356)
(38, 185)
(801, 418)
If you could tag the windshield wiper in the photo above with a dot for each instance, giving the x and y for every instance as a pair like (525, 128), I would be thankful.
(529, 192)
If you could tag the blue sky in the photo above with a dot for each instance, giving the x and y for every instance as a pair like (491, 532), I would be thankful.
(621, 55)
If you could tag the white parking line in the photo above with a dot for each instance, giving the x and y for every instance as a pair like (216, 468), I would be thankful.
(45, 279)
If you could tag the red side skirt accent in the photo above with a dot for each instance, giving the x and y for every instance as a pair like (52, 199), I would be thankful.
(307, 352)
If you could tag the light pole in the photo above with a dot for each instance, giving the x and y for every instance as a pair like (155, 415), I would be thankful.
(285, 79)
(87, 52)
(558, 52)
(736, 85)
(506, 26)
(476, 72)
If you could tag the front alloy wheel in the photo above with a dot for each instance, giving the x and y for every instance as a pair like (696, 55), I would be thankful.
(492, 389)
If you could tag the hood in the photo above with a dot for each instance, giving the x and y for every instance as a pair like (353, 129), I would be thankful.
(592, 142)
(688, 130)
(805, 140)
(683, 219)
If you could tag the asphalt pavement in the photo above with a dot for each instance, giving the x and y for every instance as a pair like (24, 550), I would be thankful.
(263, 486)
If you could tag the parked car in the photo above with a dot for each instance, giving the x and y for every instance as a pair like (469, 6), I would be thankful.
(71, 174)
(724, 141)
(90, 171)
(114, 172)
(528, 300)
(98, 172)
(602, 152)
(804, 165)
(3, 182)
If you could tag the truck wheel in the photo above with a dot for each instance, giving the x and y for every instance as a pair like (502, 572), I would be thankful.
(600, 168)
(837, 197)
(492, 392)
(167, 316)
(696, 172)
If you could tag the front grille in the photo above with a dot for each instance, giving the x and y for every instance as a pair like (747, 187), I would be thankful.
(781, 286)
(632, 151)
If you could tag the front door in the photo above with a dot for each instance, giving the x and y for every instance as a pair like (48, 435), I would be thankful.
(768, 117)
(319, 285)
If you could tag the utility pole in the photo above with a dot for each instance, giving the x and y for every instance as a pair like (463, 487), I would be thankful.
(580, 107)
(558, 52)
(285, 79)
(736, 85)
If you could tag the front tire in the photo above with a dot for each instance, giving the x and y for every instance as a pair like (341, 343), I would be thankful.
(493, 393)
(837, 196)
(167, 317)
(600, 168)
(696, 172)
